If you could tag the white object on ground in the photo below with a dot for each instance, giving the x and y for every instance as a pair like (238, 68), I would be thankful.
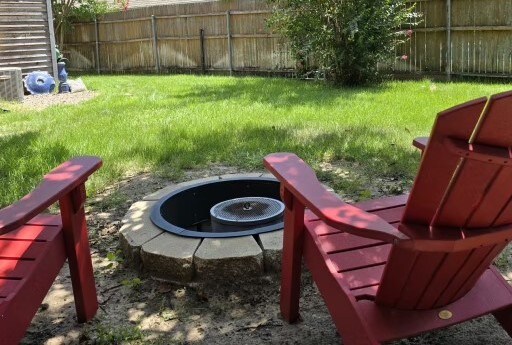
(77, 85)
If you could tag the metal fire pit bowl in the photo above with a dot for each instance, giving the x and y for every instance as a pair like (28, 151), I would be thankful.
(208, 209)
(245, 212)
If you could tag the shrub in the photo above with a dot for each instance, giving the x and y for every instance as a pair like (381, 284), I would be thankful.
(66, 12)
(346, 38)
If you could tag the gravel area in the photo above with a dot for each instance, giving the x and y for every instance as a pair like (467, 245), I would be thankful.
(40, 102)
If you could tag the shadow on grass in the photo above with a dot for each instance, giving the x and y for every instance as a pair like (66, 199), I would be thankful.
(23, 163)
(281, 93)
(246, 146)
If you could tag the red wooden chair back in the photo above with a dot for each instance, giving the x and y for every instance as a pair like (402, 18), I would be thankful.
(460, 207)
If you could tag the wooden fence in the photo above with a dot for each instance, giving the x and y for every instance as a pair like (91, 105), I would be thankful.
(465, 37)
(469, 37)
(197, 36)
(26, 36)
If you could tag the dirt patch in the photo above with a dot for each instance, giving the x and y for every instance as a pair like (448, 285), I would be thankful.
(136, 309)
(40, 102)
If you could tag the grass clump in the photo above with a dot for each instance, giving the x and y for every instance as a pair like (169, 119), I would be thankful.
(104, 335)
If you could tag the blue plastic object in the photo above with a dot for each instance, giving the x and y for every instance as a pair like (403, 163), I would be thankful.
(39, 82)
(63, 78)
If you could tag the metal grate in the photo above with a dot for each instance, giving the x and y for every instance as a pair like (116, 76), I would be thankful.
(247, 211)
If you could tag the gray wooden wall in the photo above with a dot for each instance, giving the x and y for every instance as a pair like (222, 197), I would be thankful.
(26, 35)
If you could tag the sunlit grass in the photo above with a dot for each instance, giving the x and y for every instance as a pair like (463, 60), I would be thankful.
(170, 123)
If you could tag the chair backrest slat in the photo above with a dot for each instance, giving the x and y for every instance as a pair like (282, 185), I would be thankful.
(484, 265)
(454, 191)
(505, 216)
(463, 197)
(396, 275)
(452, 262)
(432, 279)
(462, 280)
(419, 277)
(495, 128)
(474, 180)
(496, 206)
(431, 183)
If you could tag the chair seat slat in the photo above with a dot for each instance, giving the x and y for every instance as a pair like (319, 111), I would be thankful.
(368, 276)
(15, 269)
(359, 258)
(343, 241)
(8, 286)
(39, 233)
(21, 250)
(383, 203)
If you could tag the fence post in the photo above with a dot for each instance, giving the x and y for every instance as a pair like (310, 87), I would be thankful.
(448, 39)
(230, 49)
(97, 35)
(203, 60)
(156, 54)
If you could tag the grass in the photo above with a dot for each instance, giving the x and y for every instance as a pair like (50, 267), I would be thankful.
(171, 123)
(102, 335)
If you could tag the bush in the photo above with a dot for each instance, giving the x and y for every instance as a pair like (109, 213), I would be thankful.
(346, 38)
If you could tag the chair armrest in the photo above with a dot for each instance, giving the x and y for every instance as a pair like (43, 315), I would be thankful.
(420, 143)
(298, 178)
(55, 185)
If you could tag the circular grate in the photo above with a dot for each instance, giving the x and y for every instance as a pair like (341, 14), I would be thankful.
(247, 211)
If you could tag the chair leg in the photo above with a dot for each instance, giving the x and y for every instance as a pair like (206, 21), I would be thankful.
(504, 317)
(79, 254)
(293, 239)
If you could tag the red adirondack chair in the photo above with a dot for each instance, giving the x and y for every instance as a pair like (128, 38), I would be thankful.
(400, 266)
(34, 247)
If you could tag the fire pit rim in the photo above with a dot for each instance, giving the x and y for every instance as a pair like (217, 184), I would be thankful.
(158, 220)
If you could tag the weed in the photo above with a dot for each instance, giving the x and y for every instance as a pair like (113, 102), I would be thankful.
(105, 335)
(115, 257)
(134, 284)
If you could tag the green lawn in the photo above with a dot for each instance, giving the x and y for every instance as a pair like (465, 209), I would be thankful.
(170, 123)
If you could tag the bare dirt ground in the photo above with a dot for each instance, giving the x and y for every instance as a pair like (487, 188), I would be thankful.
(136, 309)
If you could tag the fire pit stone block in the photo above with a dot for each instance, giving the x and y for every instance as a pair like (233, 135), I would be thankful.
(170, 257)
(137, 229)
(272, 244)
(231, 259)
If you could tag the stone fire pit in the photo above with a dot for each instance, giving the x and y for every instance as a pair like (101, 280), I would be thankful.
(172, 257)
